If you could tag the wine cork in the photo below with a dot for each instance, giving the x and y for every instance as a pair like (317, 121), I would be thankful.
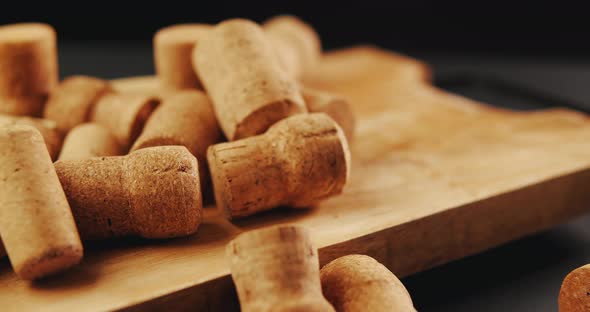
(297, 162)
(296, 44)
(185, 118)
(89, 140)
(360, 283)
(47, 128)
(574, 295)
(244, 79)
(333, 105)
(71, 102)
(124, 114)
(150, 193)
(28, 67)
(173, 47)
(276, 269)
(36, 224)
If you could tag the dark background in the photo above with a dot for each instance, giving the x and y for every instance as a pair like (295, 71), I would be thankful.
(522, 55)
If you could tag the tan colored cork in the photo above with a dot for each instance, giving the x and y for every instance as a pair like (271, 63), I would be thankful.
(124, 114)
(48, 129)
(244, 79)
(36, 223)
(574, 295)
(89, 140)
(358, 283)
(295, 42)
(151, 193)
(28, 67)
(297, 162)
(276, 269)
(185, 118)
(333, 105)
(173, 47)
(71, 102)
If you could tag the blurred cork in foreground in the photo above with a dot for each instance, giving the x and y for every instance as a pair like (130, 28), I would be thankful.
(276, 269)
(358, 283)
(574, 295)
(36, 224)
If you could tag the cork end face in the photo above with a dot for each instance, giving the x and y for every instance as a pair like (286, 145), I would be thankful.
(219, 182)
(180, 34)
(51, 262)
(574, 295)
(164, 191)
(26, 32)
(260, 120)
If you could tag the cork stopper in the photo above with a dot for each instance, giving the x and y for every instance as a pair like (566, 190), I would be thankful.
(47, 128)
(36, 223)
(244, 79)
(333, 105)
(296, 43)
(89, 140)
(574, 294)
(71, 102)
(276, 269)
(151, 193)
(124, 114)
(297, 162)
(28, 67)
(185, 118)
(360, 283)
(173, 47)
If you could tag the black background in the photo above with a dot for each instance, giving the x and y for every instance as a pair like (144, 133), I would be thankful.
(543, 46)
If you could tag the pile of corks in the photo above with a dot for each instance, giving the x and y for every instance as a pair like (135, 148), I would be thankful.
(135, 164)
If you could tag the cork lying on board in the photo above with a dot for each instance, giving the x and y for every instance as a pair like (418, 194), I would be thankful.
(298, 162)
(47, 128)
(574, 295)
(173, 48)
(89, 140)
(296, 44)
(243, 77)
(36, 223)
(413, 191)
(358, 283)
(276, 269)
(28, 67)
(150, 193)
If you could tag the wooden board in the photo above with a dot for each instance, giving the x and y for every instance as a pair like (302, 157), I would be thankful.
(436, 177)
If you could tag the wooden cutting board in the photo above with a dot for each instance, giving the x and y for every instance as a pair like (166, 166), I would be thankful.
(436, 177)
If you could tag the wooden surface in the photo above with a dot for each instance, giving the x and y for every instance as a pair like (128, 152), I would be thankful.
(435, 177)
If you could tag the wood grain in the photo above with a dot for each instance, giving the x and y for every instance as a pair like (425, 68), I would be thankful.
(435, 177)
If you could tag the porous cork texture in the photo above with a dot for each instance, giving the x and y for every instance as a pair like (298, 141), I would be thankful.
(249, 89)
(298, 162)
(71, 102)
(296, 44)
(574, 295)
(48, 129)
(89, 140)
(333, 105)
(28, 67)
(185, 118)
(276, 269)
(358, 283)
(36, 224)
(124, 114)
(173, 48)
(151, 193)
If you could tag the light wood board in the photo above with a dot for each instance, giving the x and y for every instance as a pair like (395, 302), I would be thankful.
(436, 177)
